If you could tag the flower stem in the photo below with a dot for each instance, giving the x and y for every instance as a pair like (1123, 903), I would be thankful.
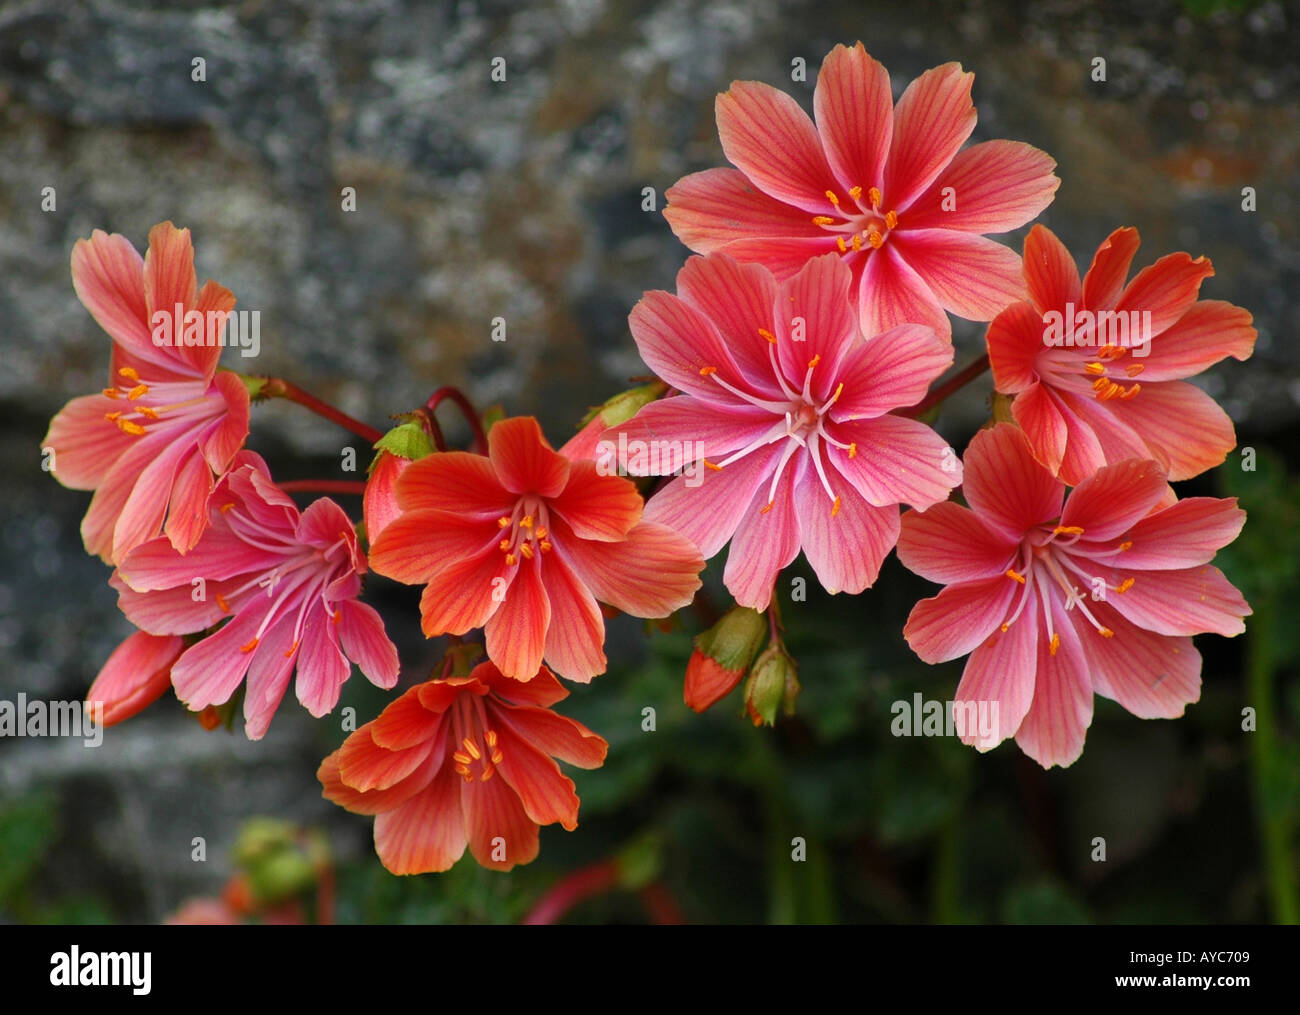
(595, 879)
(278, 387)
(956, 383)
(466, 409)
(323, 486)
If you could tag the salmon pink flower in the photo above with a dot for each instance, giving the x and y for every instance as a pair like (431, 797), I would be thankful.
(426, 768)
(884, 187)
(1096, 367)
(286, 585)
(523, 542)
(1055, 604)
(152, 443)
(787, 407)
(136, 675)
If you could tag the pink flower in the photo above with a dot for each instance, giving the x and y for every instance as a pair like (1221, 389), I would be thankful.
(136, 675)
(152, 442)
(1109, 386)
(887, 188)
(523, 542)
(286, 585)
(784, 415)
(1055, 604)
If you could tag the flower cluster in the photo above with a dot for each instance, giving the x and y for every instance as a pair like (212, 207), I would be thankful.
(795, 364)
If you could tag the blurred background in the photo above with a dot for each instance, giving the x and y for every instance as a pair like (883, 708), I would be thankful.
(523, 199)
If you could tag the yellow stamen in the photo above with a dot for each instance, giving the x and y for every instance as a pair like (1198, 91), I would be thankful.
(129, 373)
(504, 546)
(1068, 530)
(1005, 628)
(496, 757)
(1126, 544)
(113, 417)
(855, 192)
(226, 507)
(137, 391)
(488, 772)
(491, 738)
(765, 510)
(461, 758)
(1099, 384)
(706, 371)
(857, 242)
(1054, 644)
(891, 220)
(830, 196)
(876, 240)
(1096, 369)
(146, 412)
(767, 335)
(839, 242)
(1133, 390)
(822, 220)
(1106, 632)
(225, 608)
(526, 521)
(541, 532)
(464, 770)
(503, 522)
(835, 508)
(111, 393)
(853, 448)
(873, 195)
(709, 465)
(1111, 351)
(526, 549)
(471, 748)
(292, 649)
(544, 546)
(1015, 576)
(250, 646)
(511, 559)
(1133, 369)
(126, 426)
(814, 361)
(1125, 585)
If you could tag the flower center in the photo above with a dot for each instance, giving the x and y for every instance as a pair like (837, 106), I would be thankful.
(1099, 373)
(863, 224)
(524, 532)
(136, 416)
(477, 744)
(800, 422)
(1045, 559)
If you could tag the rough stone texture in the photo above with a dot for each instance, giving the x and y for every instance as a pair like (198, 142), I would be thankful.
(518, 199)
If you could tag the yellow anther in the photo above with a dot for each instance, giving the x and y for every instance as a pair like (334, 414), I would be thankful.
(544, 546)
(1054, 644)
(511, 559)
(488, 772)
(226, 507)
(767, 335)
(823, 220)
(461, 758)
(765, 510)
(1133, 390)
(830, 196)
(250, 646)
(706, 371)
(857, 242)
(113, 417)
(491, 738)
(1068, 530)
(1005, 628)
(1100, 384)
(541, 532)
(876, 240)
(710, 465)
(1133, 369)
(111, 393)
(496, 757)
(146, 412)
(222, 603)
(891, 219)
(839, 242)
(137, 391)
(855, 192)
(1106, 632)
(130, 373)
(503, 522)
(526, 549)
(126, 426)
(853, 448)
(504, 546)
(1125, 585)
(835, 508)
(817, 358)
(292, 649)
(526, 521)
(1127, 544)
(471, 748)
(873, 195)
(1096, 369)
(1015, 576)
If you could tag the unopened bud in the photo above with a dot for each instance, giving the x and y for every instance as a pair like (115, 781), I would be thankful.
(722, 655)
(618, 409)
(766, 688)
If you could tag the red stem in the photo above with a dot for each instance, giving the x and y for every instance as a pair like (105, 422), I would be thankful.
(583, 883)
(959, 381)
(323, 486)
(278, 387)
(466, 409)
(661, 906)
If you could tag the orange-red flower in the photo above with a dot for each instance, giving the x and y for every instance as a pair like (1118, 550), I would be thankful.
(428, 768)
(523, 542)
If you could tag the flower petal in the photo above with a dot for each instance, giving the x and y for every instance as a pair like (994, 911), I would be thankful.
(995, 186)
(1151, 675)
(556, 736)
(597, 506)
(1005, 486)
(891, 370)
(897, 461)
(738, 298)
(1054, 728)
(709, 209)
(650, 574)
(766, 540)
(1167, 289)
(85, 444)
(949, 543)
(516, 632)
(891, 293)
(1184, 428)
(770, 139)
(362, 635)
(418, 545)
(932, 121)
(547, 796)
(1043, 425)
(1001, 671)
(1209, 331)
(426, 834)
(1194, 600)
(1113, 498)
(1186, 534)
(576, 635)
(465, 595)
(970, 275)
(815, 322)
(847, 549)
(959, 618)
(136, 675)
(1051, 276)
(457, 482)
(500, 832)
(1104, 280)
(524, 461)
(854, 108)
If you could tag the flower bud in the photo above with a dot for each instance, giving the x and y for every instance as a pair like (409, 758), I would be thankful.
(618, 409)
(766, 688)
(722, 655)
